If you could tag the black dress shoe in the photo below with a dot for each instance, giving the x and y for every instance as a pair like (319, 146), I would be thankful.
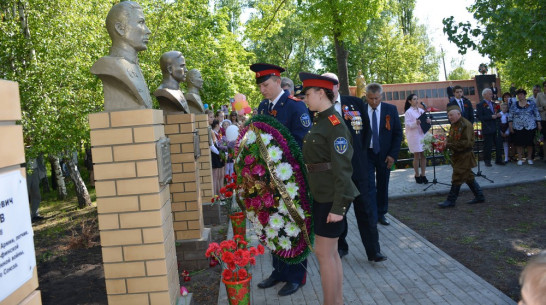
(342, 253)
(384, 221)
(424, 179)
(268, 282)
(500, 163)
(488, 164)
(378, 258)
(418, 179)
(289, 288)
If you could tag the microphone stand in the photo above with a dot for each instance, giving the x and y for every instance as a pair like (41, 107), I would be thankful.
(479, 173)
(434, 179)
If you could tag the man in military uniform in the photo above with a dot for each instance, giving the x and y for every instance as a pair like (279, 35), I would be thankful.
(461, 142)
(351, 109)
(294, 116)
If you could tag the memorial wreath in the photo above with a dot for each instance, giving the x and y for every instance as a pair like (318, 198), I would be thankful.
(273, 188)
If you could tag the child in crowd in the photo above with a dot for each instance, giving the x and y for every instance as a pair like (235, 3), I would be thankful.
(230, 148)
(505, 131)
(533, 281)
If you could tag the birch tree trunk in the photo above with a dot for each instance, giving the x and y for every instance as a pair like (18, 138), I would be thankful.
(84, 199)
(56, 167)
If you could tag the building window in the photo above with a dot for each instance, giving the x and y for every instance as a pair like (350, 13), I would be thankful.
(395, 96)
(389, 96)
(471, 91)
(383, 96)
(465, 91)
(442, 92)
(429, 93)
(403, 95)
(435, 93)
(421, 93)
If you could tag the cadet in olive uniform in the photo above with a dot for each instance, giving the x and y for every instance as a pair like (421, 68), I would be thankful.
(294, 116)
(461, 142)
(327, 153)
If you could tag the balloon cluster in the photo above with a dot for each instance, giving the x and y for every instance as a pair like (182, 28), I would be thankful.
(240, 104)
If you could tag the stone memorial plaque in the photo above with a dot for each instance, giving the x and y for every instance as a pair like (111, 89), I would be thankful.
(163, 149)
(196, 148)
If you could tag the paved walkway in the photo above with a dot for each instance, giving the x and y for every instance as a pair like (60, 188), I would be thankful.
(416, 272)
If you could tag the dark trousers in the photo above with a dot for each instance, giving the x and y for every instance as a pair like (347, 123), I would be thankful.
(378, 183)
(488, 141)
(289, 273)
(366, 218)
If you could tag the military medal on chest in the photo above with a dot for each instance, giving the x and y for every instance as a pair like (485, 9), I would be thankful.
(354, 116)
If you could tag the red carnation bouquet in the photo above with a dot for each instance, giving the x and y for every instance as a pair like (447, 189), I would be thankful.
(235, 256)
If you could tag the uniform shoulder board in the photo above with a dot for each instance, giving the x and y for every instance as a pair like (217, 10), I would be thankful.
(295, 98)
(333, 119)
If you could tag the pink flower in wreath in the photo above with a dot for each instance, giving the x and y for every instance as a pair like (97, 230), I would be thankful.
(268, 199)
(245, 171)
(258, 170)
(256, 202)
(263, 217)
(249, 159)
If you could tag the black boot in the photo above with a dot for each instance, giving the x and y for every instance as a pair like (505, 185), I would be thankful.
(451, 197)
(477, 191)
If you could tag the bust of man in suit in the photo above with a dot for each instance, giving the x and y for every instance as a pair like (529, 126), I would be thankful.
(195, 83)
(170, 97)
(124, 85)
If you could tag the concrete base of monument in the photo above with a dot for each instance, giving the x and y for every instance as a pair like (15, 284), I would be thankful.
(212, 214)
(191, 253)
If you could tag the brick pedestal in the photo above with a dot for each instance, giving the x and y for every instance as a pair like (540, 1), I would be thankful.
(12, 155)
(191, 237)
(135, 219)
(211, 213)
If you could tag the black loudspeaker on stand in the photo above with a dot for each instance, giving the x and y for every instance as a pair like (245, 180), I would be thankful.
(479, 173)
(434, 179)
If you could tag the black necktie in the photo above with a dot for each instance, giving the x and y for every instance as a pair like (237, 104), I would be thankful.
(270, 108)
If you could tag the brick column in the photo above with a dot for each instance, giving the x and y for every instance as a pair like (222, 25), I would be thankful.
(12, 155)
(135, 220)
(185, 197)
(191, 237)
(211, 214)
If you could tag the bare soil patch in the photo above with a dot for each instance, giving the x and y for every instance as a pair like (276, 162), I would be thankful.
(494, 239)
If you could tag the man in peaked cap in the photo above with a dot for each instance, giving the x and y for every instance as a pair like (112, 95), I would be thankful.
(294, 116)
(277, 103)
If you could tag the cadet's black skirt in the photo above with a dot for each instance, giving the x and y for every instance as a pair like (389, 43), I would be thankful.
(320, 214)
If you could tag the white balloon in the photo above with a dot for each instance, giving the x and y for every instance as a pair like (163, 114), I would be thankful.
(232, 132)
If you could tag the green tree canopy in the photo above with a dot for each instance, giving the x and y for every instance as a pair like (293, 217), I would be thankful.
(510, 32)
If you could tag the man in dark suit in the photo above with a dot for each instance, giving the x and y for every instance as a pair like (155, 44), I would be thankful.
(352, 109)
(383, 148)
(295, 116)
(464, 104)
(487, 113)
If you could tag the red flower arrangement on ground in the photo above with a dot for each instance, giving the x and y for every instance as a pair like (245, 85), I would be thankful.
(235, 256)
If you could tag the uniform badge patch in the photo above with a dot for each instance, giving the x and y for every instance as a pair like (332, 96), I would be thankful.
(333, 119)
(305, 120)
(341, 145)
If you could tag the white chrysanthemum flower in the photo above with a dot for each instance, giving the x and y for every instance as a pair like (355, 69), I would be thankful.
(270, 244)
(275, 153)
(284, 242)
(250, 215)
(266, 138)
(292, 229)
(250, 137)
(270, 232)
(300, 211)
(276, 221)
(284, 171)
(282, 207)
(292, 189)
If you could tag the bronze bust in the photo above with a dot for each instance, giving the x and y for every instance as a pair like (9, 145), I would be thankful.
(195, 83)
(170, 97)
(124, 84)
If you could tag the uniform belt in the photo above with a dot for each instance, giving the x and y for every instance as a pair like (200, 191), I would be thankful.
(318, 167)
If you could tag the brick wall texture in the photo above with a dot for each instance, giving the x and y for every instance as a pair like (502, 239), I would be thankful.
(135, 216)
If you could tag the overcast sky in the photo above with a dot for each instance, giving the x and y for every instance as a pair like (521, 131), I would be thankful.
(431, 13)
